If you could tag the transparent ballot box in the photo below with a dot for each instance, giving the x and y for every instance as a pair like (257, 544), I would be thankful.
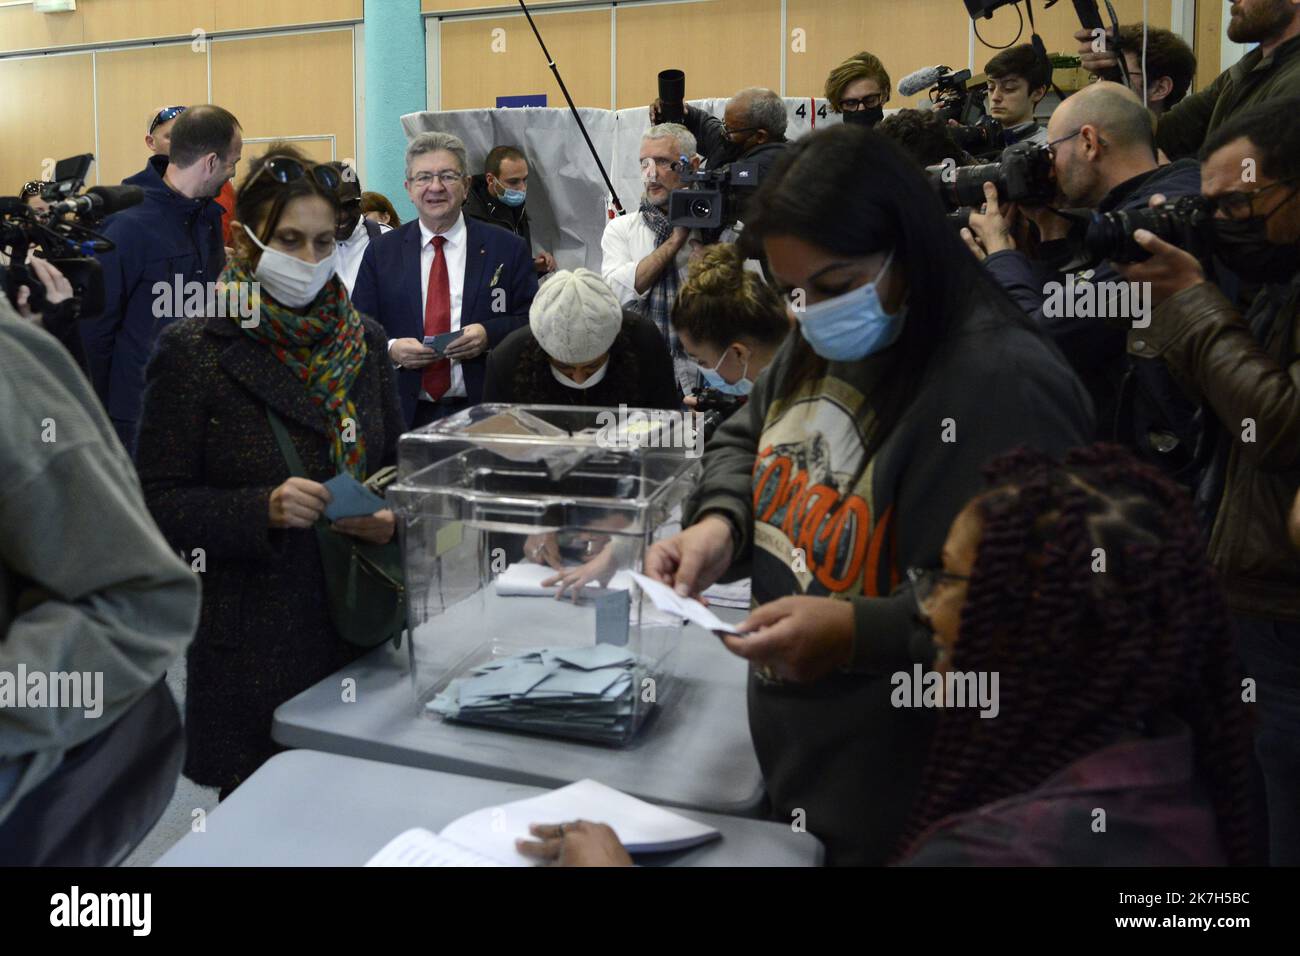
(499, 500)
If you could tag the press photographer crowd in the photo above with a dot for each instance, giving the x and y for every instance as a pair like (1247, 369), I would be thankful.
(987, 387)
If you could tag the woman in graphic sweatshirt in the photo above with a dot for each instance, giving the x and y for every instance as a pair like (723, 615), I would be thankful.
(860, 443)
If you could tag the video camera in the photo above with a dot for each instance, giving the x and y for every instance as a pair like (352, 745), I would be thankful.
(713, 198)
(63, 235)
(1022, 174)
(1186, 222)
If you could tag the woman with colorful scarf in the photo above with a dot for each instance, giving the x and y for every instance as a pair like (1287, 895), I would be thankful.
(280, 333)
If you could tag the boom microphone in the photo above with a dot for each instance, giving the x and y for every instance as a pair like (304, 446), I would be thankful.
(921, 79)
(100, 200)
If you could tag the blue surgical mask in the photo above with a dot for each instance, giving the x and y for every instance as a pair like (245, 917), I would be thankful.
(514, 197)
(851, 326)
(713, 378)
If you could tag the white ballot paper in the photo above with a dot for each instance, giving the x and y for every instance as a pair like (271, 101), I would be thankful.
(666, 599)
(486, 837)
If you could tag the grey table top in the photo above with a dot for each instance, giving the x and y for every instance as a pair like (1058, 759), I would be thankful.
(695, 752)
(305, 808)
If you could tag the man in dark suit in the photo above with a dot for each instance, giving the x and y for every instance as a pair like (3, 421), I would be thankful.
(443, 272)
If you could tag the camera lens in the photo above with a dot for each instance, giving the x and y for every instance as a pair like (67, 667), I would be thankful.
(700, 208)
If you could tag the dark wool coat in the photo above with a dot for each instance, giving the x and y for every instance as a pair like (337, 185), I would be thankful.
(208, 462)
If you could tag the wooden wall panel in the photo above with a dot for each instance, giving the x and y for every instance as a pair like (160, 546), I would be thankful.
(1209, 43)
(253, 14)
(22, 29)
(113, 21)
(288, 85)
(722, 45)
(479, 64)
(131, 84)
(110, 21)
(906, 37)
(48, 114)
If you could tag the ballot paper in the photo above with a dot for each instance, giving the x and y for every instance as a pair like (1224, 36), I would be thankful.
(570, 691)
(666, 599)
(349, 498)
(487, 837)
(734, 594)
(524, 579)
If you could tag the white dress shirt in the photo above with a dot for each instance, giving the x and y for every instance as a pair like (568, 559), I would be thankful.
(350, 251)
(454, 250)
(626, 241)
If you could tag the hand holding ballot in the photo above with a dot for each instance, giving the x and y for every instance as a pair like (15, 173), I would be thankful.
(796, 638)
(694, 558)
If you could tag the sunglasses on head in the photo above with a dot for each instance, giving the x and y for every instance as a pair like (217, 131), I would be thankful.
(165, 115)
(286, 169)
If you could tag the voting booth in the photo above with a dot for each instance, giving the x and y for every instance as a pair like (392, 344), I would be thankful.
(500, 501)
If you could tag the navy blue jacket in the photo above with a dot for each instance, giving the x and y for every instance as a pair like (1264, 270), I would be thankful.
(164, 236)
(1136, 398)
(388, 290)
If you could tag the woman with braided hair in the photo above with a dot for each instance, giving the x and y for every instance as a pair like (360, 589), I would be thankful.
(1085, 587)
(1119, 735)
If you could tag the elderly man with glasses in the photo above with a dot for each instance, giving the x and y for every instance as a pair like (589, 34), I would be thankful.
(446, 287)
(643, 258)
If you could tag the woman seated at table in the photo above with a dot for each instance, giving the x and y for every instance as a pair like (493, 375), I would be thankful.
(729, 321)
(216, 480)
(1117, 688)
(580, 348)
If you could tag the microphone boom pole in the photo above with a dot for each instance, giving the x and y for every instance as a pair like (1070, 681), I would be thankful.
(618, 206)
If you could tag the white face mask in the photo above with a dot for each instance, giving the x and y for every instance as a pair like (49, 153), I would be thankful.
(288, 279)
(595, 378)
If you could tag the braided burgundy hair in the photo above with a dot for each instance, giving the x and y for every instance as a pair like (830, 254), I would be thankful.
(1084, 656)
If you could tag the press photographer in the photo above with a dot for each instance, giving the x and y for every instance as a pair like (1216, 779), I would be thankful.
(1269, 72)
(752, 128)
(1103, 159)
(1017, 82)
(1244, 368)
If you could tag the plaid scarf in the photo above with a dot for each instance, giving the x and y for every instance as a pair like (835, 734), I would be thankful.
(659, 301)
(324, 350)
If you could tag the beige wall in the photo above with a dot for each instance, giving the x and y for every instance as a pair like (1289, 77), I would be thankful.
(723, 45)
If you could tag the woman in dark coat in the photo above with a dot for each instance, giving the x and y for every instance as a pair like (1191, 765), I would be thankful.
(581, 348)
(215, 478)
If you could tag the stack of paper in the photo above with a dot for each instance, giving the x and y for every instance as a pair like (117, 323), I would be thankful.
(571, 691)
(487, 837)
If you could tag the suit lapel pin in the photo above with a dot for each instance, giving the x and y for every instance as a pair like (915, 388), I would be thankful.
(496, 275)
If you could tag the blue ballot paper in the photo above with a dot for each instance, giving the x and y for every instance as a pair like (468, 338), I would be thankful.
(440, 341)
(349, 498)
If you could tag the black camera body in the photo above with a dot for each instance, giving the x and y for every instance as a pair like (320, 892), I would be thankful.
(67, 243)
(985, 136)
(1024, 173)
(1186, 222)
(713, 198)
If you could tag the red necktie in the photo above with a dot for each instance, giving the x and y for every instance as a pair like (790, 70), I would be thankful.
(437, 319)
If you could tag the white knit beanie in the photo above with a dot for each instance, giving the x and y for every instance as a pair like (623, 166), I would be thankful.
(575, 317)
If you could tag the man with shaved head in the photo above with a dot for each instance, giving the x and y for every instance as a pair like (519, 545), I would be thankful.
(1104, 160)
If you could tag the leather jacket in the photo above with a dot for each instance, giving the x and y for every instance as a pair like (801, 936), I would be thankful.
(1245, 369)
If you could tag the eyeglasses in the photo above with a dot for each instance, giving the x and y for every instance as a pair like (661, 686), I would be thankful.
(447, 178)
(852, 105)
(35, 188)
(925, 581)
(1241, 204)
(661, 164)
(165, 115)
(286, 169)
(728, 131)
